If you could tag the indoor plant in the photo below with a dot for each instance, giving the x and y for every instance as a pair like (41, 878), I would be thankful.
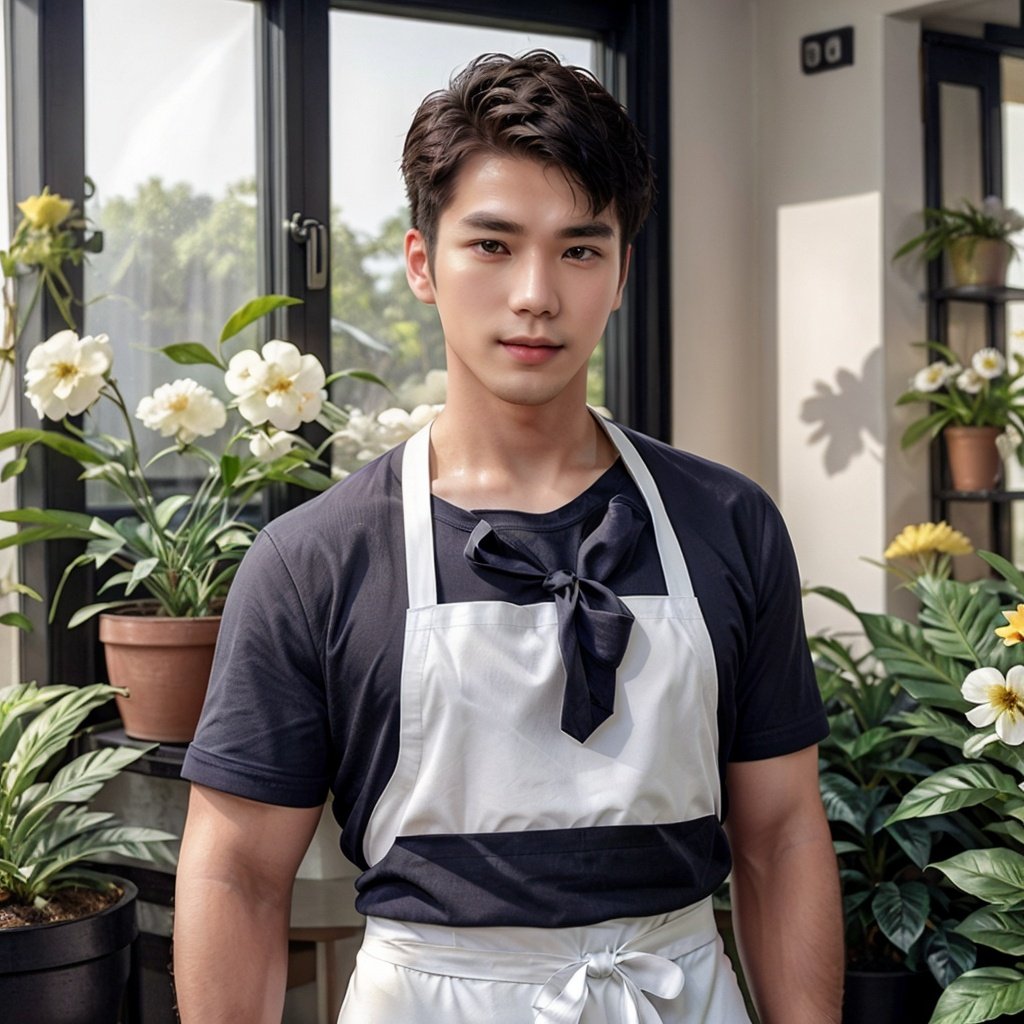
(972, 406)
(65, 929)
(181, 551)
(977, 239)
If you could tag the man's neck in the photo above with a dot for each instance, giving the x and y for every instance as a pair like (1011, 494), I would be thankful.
(531, 459)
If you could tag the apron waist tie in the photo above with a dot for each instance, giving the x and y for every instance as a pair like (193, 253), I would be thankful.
(642, 964)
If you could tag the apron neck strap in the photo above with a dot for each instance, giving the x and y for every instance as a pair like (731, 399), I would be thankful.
(419, 525)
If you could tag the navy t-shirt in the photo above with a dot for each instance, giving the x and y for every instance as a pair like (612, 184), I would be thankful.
(304, 697)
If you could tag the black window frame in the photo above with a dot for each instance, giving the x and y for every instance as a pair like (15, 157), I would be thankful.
(46, 66)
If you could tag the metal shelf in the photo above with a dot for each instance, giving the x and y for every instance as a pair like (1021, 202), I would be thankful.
(977, 293)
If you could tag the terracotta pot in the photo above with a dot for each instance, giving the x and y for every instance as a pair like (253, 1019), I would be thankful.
(165, 665)
(980, 262)
(974, 461)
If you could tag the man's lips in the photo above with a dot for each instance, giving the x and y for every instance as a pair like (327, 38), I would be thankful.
(530, 351)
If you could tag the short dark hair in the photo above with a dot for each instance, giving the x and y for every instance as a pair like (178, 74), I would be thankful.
(531, 106)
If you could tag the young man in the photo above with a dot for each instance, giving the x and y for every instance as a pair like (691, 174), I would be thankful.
(529, 653)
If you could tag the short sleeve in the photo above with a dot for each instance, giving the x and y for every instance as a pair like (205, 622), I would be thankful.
(264, 731)
(779, 708)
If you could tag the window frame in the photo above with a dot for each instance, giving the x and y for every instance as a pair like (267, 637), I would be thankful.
(45, 75)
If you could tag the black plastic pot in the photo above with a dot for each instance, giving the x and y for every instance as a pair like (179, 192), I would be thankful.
(69, 972)
(889, 997)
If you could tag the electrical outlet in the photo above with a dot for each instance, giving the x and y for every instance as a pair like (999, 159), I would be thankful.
(825, 51)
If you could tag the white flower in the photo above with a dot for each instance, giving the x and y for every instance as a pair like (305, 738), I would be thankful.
(432, 390)
(970, 381)
(184, 409)
(999, 700)
(279, 385)
(988, 363)
(267, 447)
(931, 378)
(65, 373)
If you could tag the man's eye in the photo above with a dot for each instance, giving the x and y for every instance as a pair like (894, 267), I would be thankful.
(489, 246)
(580, 252)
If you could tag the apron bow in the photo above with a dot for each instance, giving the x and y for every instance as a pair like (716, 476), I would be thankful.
(564, 995)
(593, 623)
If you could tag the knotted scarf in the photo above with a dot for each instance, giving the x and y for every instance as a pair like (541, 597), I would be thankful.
(593, 624)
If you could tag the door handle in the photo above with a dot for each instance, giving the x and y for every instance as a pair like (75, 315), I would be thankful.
(312, 234)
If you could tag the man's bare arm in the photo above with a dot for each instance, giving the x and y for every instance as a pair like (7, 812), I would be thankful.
(232, 903)
(785, 890)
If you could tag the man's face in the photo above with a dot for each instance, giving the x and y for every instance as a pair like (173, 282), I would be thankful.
(524, 278)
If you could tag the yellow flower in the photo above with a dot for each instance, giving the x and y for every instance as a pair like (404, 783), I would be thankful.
(926, 538)
(46, 210)
(1014, 632)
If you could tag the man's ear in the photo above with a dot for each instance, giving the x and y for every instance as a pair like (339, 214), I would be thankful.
(417, 267)
(623, 274)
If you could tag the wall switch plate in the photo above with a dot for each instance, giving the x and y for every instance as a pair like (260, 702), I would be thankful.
(825, 51)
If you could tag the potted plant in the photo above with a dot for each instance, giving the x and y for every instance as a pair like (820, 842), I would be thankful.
(972, 407)
(976, 238)
(900, 917)
(958, 664)
(65, 928)
(176, 556)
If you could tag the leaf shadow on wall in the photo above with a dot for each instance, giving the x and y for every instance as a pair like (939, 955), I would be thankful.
(845, 412)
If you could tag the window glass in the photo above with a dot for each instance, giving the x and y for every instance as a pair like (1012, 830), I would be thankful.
(376, 322)
(171, 150)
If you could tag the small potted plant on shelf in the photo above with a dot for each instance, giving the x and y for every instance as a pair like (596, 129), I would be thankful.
(972, 406)
(65, 928)
(976, 239)
(176, 556)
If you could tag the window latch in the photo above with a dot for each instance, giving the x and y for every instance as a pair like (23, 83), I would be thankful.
(312, 234)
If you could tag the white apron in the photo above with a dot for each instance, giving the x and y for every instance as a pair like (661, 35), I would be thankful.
(481, 751)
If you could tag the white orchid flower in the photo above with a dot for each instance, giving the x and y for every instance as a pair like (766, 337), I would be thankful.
(65, 374)
(183, 409)
(988, 363)
(931, 378)
(970, 381)
(1000, 700)
(279, 385)
(267, 447)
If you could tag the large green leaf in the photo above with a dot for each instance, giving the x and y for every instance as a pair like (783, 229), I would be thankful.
(52, 439)
(847, 802)
(979, 995)
(961, 785)
(914, 838)
(927, 676)
(999, 929)
(958, 619)
(191, 352)
(1006, 569)
(901, 911)
(995, 876)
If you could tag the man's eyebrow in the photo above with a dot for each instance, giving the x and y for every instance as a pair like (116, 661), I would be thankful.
(489, 222)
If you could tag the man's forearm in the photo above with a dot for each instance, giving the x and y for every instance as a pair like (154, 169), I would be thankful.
(230, 955)
(788, 919)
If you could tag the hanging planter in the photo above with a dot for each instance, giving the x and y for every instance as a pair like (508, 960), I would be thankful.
(974, 460)
(979, 262)
(164, 663)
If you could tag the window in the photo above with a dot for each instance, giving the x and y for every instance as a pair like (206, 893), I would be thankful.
(206, 124)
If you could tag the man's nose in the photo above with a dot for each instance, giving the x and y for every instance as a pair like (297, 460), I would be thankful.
(534, 288)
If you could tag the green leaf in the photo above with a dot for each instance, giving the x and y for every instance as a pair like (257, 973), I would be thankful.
(191, 353)
(17, 620)
(168, 508)
(845, 801)
(252, 311)
(957, 618)
(927, 426)
(843, 846)
(230, 465)
(68, 446)
(142, 570)
(948, 954)
(995, 876)
(364, 375)
(962, 785)
(998, 929)
(1013, 829)
(914, 838)
(979, 995)
(901, 911)
(88, 611)
(13, 468)
(1006, 569)
(833, 595)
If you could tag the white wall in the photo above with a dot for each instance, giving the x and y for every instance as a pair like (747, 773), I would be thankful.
(817, 321)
